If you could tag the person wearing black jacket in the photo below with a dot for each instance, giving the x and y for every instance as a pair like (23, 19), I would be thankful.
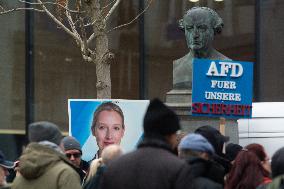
(217, 140)
(153, 165)
(197, 151)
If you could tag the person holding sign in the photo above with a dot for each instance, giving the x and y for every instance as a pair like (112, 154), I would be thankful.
(108, 126)
(200, 25)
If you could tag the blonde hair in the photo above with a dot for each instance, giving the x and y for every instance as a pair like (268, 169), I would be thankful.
(95, 164)
(109, 153)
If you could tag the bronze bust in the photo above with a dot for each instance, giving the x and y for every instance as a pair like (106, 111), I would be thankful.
(200, 25)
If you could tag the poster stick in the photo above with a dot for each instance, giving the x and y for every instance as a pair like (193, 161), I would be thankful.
(222, 125)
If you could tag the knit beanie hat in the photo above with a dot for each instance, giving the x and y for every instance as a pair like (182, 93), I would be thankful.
(159, 119)
(196, 142)
(70, 143)
(44, 131)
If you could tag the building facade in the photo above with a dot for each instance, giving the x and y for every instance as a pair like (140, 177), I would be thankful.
(41, 67)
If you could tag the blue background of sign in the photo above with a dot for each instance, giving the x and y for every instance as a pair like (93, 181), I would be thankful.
(201, 83)
(81, 112)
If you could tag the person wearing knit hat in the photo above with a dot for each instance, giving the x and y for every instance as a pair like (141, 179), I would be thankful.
(72, 150)
(44, 131)
(217, 140)
(161, 122)
(153, 164)
(159, 119)
(43, 164)
(198, 152)
(197, 143)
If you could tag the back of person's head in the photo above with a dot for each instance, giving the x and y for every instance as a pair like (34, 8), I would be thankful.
(95, 164)
(160, 120)
(232, 151)
(216, 139)
(44, 131)
(277, 163)
(258, 150)
(246, 171)
(110, 153)
(71, 143)
(194, 143)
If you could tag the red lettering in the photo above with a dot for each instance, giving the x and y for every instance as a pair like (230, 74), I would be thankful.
(207, 106)
(222, 109)
(196, 108)
(218, 109)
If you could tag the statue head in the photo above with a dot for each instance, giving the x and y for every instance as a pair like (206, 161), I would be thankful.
(200, 24)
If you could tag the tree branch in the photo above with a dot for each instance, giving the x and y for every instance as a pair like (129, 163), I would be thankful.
(108, 5)
(106, 18)
(57, 21)
(134, 19)
(73, 27)
(112, 9)
(49, 3)
(19, 9)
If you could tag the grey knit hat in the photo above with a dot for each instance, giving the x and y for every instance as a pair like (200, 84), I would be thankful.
(70, 143)
(44, 131)
(196, 142)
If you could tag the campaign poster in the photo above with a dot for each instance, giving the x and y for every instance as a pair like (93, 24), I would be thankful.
(107, 129)
(222, 88)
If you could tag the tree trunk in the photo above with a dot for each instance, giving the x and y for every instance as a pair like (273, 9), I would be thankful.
(103, 56)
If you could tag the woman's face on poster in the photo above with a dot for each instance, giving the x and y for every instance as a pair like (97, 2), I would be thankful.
(109, 129)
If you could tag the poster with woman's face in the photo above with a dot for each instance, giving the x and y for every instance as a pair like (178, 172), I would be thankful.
(97, 123)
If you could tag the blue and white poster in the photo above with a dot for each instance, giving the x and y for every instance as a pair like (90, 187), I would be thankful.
(96, 123)
(222, 88)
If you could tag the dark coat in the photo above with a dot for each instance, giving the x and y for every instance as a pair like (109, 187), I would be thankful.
(152, 166)
(94, 182)
(204, 183)
(206, 169)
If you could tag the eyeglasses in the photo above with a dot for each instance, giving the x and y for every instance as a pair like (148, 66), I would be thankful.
(75, 155)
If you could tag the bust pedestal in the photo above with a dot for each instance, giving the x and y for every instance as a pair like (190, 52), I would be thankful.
(181, 100)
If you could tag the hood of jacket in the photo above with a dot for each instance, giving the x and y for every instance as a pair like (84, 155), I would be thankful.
(207, 169)
(155, 142)
(37, 158)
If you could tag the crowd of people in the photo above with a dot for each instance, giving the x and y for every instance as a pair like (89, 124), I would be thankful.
(203, 159)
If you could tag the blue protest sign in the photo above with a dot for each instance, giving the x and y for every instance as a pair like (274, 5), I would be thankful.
(222, 88)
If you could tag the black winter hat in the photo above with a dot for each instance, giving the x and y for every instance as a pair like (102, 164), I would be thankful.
(214, 137)
(277, 163)
(232, 151)
(70, 143)
(44, 130)
(159, 119)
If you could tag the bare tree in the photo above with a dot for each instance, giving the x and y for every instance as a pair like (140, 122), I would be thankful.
(74, 17)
